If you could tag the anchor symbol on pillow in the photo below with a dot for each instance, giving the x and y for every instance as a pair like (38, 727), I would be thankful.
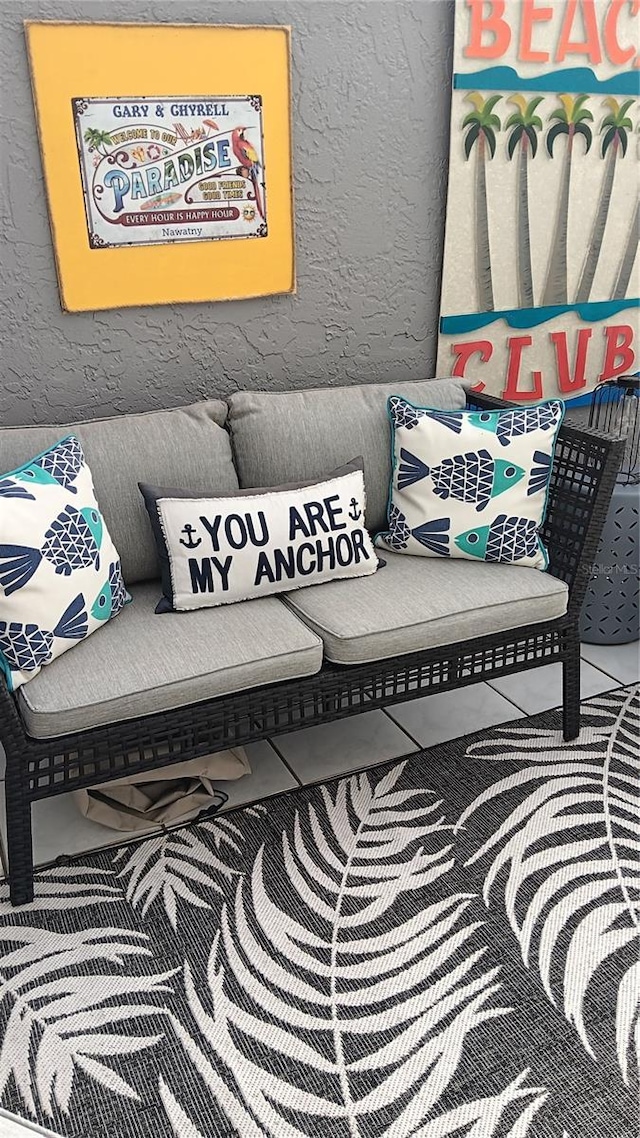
(354, 511)
(189, 543)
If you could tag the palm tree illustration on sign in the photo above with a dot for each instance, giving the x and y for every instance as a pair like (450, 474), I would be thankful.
(623, 278)
(614, 129)
(621, 286)
(97, 139)
(482, 124)
(523, 124)
(572, 120)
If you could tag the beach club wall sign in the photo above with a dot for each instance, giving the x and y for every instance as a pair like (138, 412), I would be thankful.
(540, 276)
(166, 152)
(181, 169)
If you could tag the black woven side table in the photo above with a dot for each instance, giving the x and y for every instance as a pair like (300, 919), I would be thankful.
(611, 614)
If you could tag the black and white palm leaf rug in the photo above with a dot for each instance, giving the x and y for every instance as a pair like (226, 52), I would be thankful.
(446, 945)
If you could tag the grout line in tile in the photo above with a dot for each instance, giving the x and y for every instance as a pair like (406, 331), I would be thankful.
(617, 686)
(284, 762)
(510, 700)
(257, 801)
(610, 675)
(618, 683)
(416, 742)
(340, 775)
(601, 667)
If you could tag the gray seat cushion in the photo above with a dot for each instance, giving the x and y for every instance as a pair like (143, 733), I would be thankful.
(140, 663)
(414, 603)
(186, 447)
(291, 436)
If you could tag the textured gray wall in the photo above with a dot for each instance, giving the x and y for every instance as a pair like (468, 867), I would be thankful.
(368, 240)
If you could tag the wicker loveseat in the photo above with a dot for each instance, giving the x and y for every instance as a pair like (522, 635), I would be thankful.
(147, 691)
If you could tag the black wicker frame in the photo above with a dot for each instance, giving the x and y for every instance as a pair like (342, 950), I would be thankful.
(583, 476)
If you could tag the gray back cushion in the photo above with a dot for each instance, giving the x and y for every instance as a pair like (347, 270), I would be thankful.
(187, 447)
(296, 435)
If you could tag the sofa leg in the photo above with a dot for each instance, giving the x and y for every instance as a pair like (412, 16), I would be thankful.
(571, 691)
(19, 845)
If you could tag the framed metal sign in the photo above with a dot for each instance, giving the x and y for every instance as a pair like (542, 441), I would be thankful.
(159, 170)
(166, 153)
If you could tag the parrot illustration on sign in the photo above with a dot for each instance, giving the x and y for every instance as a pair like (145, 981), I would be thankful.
(247, 156)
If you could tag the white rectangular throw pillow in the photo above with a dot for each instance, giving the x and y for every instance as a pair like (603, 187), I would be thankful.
(217, 550)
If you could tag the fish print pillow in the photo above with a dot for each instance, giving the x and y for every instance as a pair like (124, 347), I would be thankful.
(60, 576)
(470, 484)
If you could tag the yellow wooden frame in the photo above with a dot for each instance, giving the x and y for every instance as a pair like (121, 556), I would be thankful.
(74, 60)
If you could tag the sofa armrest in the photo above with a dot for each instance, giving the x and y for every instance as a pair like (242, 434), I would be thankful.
(585, 465)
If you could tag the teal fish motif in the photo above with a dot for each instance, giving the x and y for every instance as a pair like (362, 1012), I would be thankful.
(471, 477)
(506, 539)
(26, 646)
(508, 425)
(112, 596)
(59, 466)
(485, 420)
(72, 542)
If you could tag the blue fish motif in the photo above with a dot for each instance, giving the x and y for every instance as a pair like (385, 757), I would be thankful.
(451, 419)
(474, 477)
(73, 624)
(434, 536)
(112, 596)
(11, 489)
(526, 419)
(539, 474)
(403, 414)
(58, 466)
(398, 534)
(72, 542)
(506, 539)
(410, 470)
(26, 646)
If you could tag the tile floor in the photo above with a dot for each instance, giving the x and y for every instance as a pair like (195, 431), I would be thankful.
(372, 737)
